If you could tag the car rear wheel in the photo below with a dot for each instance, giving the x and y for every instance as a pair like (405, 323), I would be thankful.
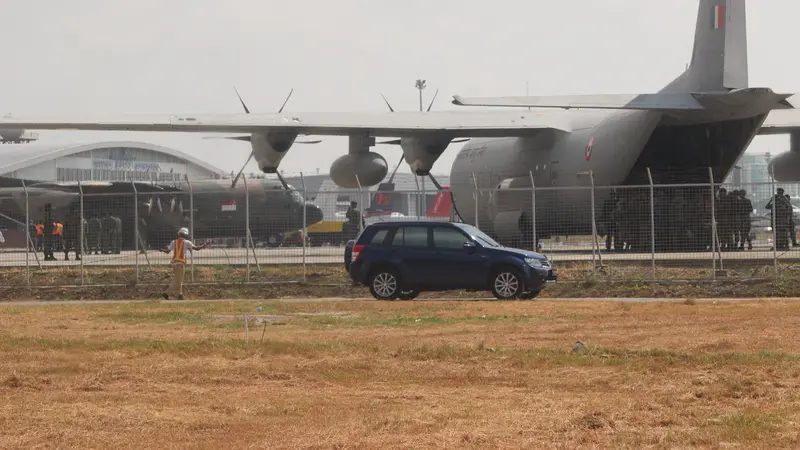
(507, 284)
(385, 284)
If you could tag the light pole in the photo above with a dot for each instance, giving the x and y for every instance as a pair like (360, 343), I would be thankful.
(420, 85)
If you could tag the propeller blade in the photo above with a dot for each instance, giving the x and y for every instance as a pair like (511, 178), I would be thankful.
(241, 101)
(172, 204)
(456, 141)
(392, 142)
(239, 175)
(433, 100)
(234, 138)
(149, 206)
(286, 101)
(308, 142)
(387, 103)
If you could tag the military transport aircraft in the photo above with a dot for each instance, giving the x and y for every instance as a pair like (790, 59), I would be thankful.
(219, 210)
(703, 119)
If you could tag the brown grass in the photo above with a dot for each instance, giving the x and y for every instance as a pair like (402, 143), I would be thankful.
(364, 374)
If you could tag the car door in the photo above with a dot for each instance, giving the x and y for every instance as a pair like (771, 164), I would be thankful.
(410, 246)
(455, 266)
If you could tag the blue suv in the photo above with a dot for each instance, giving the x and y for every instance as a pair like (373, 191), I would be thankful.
(401, 259)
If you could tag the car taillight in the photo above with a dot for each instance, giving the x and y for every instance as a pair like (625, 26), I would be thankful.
(356, 251)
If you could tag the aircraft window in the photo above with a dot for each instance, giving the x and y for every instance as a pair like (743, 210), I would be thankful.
(448, 238)
(411, 237)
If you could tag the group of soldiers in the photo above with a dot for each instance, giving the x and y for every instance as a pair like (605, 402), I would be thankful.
(101, 235)
(682, 220)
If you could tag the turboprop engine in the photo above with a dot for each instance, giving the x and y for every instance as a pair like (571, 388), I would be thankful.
(422, 152)
(269, 149)
(362, 168)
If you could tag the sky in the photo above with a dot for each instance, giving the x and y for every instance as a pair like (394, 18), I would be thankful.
(95, 57)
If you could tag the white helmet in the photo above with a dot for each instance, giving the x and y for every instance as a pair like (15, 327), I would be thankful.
(183, 232)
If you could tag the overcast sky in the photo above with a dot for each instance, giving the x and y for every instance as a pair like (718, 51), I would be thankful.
(184, 56)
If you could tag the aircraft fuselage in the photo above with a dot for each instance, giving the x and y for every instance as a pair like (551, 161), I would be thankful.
(616, 146)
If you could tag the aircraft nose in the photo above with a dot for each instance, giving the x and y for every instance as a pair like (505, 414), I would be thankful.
(313, 214)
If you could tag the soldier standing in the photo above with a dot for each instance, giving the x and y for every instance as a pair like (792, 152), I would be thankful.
(745, 209)
(107, 226)
(72, 237)
(609, 222)
(94, 235)
(792, 232)
(117, 239)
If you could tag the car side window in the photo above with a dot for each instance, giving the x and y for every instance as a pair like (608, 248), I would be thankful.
(411, 237)
(448, 238)
(379, 237)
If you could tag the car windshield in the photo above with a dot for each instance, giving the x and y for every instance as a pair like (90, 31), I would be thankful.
(479, 236)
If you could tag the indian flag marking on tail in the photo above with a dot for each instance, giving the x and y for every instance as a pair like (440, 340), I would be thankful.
(719, 16)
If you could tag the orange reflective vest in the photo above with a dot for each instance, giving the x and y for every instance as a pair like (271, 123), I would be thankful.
(177, 252)
(40, 230)
(58, 229)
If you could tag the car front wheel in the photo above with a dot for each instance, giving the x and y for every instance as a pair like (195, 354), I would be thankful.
(385, 285)
(507, 284)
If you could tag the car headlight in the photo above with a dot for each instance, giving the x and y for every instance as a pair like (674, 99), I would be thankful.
(533, 262)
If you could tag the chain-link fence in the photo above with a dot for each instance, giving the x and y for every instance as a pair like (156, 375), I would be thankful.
(262, 232)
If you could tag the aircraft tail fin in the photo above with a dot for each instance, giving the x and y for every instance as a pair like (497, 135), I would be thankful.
(381, 202)
(442, 205)
(719, 56)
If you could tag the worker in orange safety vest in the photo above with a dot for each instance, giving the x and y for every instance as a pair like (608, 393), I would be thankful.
(178, 247)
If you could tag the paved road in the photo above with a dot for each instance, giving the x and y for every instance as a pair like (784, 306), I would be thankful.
(335, 255)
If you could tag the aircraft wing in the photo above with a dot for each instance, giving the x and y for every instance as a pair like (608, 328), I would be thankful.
(652, 102)
(781, 121)
(397, 124)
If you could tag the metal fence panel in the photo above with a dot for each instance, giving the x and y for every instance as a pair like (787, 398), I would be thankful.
(266, 233)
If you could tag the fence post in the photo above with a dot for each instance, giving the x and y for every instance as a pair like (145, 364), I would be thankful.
(477, 192)
(191, 218)
(80, 244)
(774, 226)
(136, 228)
(652, 223)
(713, 226)
(28, 237)
(594, 223)
(305, 224)
(247, 226)
(533, 212)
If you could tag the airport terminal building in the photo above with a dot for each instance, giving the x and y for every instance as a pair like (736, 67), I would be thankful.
(101, 161)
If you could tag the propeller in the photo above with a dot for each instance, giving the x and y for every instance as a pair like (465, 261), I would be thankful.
(397, 141)
(248, 138)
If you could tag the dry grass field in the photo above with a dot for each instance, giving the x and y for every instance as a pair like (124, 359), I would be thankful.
(430, 374)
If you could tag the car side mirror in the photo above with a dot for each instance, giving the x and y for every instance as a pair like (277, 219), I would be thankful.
(470, 246)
